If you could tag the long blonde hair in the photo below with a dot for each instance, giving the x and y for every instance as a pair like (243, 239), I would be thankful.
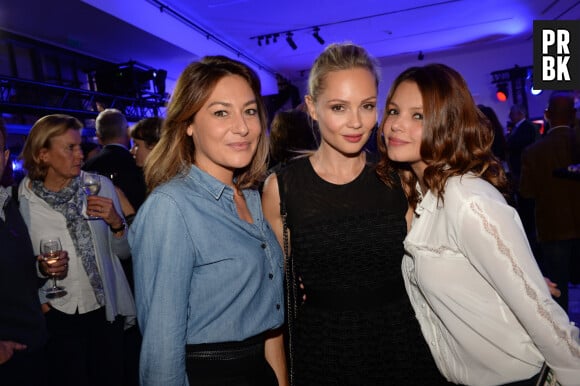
(174, 154)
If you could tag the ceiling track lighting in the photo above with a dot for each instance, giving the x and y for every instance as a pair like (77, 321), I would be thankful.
(273, 37)
(290, 41)
(316, 35)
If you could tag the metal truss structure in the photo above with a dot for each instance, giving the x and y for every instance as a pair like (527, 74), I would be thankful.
(20, 96)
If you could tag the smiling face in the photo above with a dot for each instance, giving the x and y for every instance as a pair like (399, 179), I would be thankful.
(345, 109)
(226, 130)
(63, 158)
(403, 126)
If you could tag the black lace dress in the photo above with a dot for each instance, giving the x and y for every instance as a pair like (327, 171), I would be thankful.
(357, 326)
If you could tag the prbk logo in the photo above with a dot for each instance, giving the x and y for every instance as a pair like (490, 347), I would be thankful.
(557, 54)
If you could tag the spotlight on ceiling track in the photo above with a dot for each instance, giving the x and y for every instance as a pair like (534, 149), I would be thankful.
(290, 41)
(502, 92)
(316, 35)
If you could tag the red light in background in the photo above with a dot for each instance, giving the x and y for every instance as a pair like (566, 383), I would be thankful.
(502, 92)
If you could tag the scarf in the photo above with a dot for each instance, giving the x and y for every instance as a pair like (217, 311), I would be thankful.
(69, 202)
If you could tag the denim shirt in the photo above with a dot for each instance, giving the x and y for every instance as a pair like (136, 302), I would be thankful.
(202, 274)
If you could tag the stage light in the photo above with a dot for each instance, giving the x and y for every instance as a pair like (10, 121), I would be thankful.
(317, 36)
(535, 92)
(290, 41)
(502, 92)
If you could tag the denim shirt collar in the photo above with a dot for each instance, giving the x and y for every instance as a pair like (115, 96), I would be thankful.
(207, 182)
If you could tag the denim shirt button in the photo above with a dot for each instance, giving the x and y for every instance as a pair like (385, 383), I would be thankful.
(277, 306)
(271, 276)
(263, 245)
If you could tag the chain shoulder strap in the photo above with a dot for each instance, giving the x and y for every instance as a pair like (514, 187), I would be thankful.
(290, 281)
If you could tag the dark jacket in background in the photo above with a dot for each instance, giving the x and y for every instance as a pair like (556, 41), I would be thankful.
(520, 137)
(557, 199)
(21, 318)
(117, 163)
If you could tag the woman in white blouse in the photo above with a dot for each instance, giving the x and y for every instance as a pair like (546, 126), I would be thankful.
(482, 302)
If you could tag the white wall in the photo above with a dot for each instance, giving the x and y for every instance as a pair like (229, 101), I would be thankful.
(476, 68)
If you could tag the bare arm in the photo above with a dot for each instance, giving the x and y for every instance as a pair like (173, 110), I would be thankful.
(274, 350)
(271, 206)
(126, 206)
(276, 357)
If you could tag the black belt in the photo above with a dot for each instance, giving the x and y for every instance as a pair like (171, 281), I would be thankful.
(353, 299)
(226, 351)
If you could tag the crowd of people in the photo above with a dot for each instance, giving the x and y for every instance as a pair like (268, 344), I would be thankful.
(212, 253)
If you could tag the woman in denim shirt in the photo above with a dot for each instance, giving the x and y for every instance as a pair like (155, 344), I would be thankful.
(208, 268)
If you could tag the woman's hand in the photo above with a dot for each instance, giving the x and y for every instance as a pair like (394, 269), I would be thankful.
(103, 207)
(55, 267)
(553, 287)
(7, 348)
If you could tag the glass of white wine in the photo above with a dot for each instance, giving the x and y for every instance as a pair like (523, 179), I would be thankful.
(50, 249)
(91, 184)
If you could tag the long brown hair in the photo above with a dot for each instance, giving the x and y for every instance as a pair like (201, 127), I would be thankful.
(174, 154)
(456, 136)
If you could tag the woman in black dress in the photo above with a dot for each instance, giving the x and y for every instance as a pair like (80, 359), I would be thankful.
(345, 229)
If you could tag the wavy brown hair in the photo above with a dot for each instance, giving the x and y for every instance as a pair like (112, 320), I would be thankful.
(456, 139)
(174, 153)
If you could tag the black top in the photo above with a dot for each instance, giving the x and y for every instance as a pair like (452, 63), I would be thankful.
(21, 319)
(357, 326)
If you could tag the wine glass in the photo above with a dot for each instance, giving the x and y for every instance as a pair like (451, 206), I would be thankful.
(50, 249)
(91, 184)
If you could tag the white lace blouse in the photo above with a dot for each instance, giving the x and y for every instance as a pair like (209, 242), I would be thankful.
(483, 305)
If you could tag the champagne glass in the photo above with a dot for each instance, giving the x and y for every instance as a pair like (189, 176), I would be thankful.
(50, 249)
(91, 184)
